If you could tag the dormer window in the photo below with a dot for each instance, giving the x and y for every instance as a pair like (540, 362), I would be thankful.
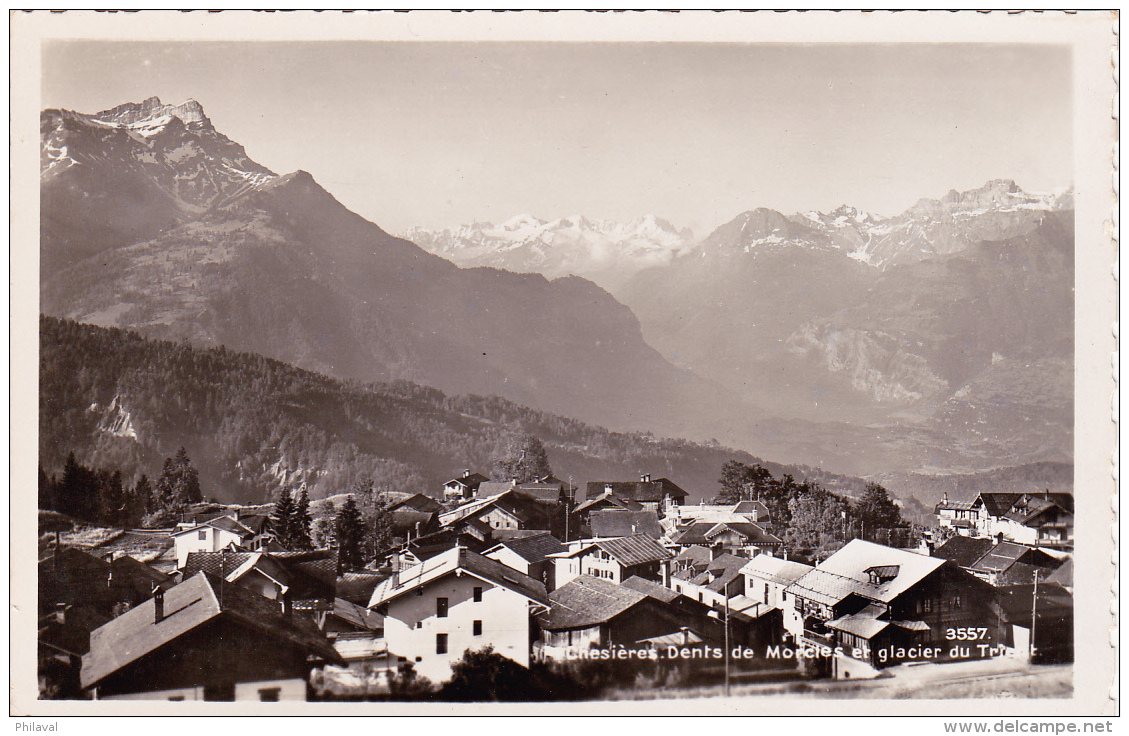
(882, 573)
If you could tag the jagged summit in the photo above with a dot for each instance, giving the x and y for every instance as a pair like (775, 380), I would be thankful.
(132, 113)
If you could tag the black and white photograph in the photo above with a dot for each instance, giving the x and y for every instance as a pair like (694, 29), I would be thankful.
(647, 361)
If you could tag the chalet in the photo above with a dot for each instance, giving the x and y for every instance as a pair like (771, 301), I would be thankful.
(879, 603)
(613, 559)
(623, 523)
(732, 536)
(417, 502)
(661, 495)
(468, 532)
(205, 639)
(458, 600)
(547, 489)
(1041, 519)
(592, 612)
(605, 501)
(989, 510)
(464, 487)
(356, 633)
(409, 524)
(720, 581)
(222, 532)
(959, 516)
(307, 579)
(767, 577)
(530, 555)
(695, 558)
(507, 510)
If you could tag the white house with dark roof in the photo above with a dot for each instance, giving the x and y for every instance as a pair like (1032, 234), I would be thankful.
(614, 560)
(530, 555)
(465, 486)
(767, 577)
(211, 536)
(453, 602)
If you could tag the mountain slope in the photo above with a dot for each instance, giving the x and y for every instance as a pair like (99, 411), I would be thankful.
(253, 425)
(225, 252)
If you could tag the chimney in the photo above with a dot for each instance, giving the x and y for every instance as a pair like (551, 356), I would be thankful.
(61, 613)
(945, 497)
(396, 571)
(287, 604)
(645, 477)
(666, 573)
(466, 472)
(685, 632)
(158, 604)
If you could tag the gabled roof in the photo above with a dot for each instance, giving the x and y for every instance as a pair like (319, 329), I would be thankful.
(642, 490)
(997, 504)
(1004, 555)
(1064, 575)
(587, 601)
(963, 551)
(651, 589)
(750, 507)
(953, 505)
(226, 523)
(695, 554)
(623, 523)
(357, 587)
(1016, 601)
(188, 606)
(448, 563)
(417, 502)
(471, 481)
(1029, 506)
(533, 549)
(628, 551)
(704, 532)
(486, 489)
(309, 574)
(611, 498)
(510, 502)
(844, 573)
(775, 569)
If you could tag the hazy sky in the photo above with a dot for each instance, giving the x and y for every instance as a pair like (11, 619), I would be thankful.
(438, 134)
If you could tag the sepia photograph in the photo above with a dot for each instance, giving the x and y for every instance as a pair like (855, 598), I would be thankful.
(388, 361)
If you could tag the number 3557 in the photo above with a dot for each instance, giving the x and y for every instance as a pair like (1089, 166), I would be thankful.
(966, 633)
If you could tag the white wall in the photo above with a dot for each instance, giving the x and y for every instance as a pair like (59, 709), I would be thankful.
(509, 558)
(214, 540)
(291, 689)
(504, 615)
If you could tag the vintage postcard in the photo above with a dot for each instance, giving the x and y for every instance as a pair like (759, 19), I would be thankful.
(494, 363)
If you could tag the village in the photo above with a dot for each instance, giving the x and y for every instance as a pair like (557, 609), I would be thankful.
(621, 583)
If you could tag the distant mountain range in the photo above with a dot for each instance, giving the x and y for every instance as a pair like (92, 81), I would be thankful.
(940, 339)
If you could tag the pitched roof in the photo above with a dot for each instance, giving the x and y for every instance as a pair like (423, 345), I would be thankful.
(695, 553)
(649, 490)
(1029, 507)
(963, 551)
(651, 589)
(226, 523)
(535, 548)
(471, 481)
(844, 573)
(750, 507)
(997, 504)
(704, 532)
(1064, 575)
(623, 523)
(1004, 555)
(586, 601)
(357, 587)
(450, 561)
(611, 498)
(493, 488)
(775, 569)
(358, 616)
(72, 576)
(417, 502)
(627, 551)
(1016, 601)
(310, 574)
(187, 606)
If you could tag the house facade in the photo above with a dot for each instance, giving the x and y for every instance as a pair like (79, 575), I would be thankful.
(767, 578)
(454, 602)
(614, 560)
(883, 606)
(463, 487)
(213, 535)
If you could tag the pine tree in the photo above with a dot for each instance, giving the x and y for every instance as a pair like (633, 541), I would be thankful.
(282, 519)
(111, 498)
(350, 533)
(140, 501)
(179, 483)
(300, 523)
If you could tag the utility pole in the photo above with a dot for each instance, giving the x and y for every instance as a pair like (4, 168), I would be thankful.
(1034, 607)
(726, 589)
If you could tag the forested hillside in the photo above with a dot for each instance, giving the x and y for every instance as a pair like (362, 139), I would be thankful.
(254, 425)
